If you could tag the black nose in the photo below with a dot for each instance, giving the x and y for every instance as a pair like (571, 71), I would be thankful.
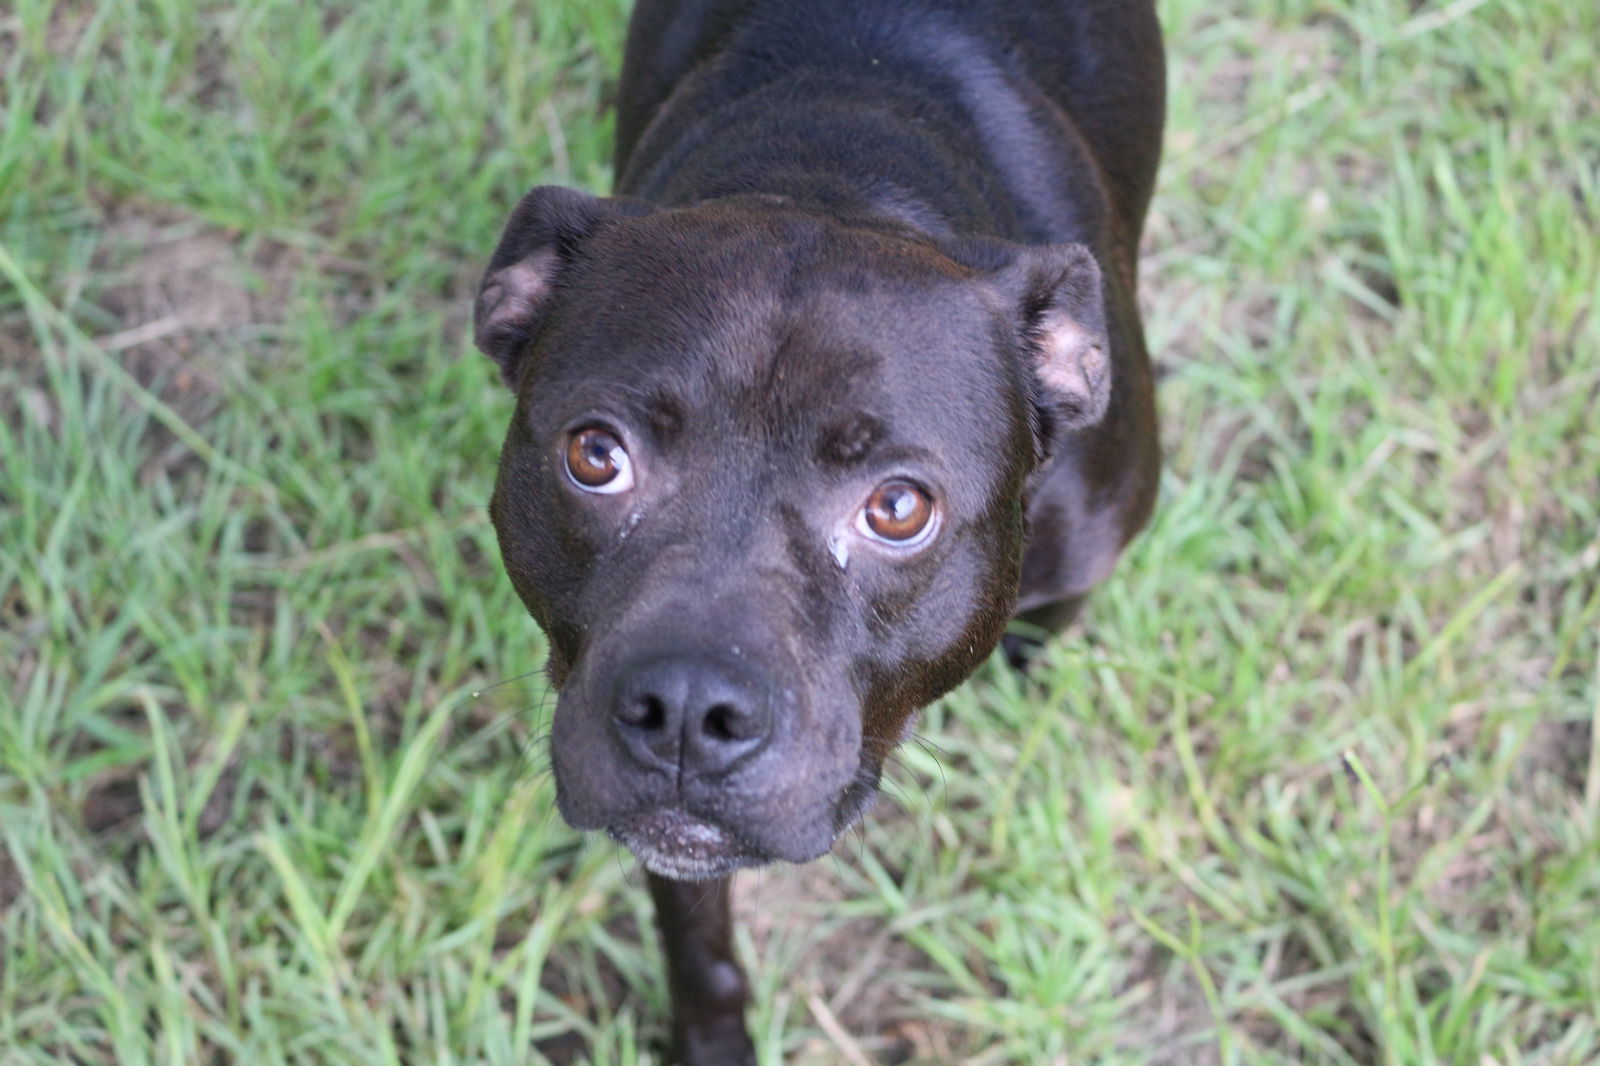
(694, 713)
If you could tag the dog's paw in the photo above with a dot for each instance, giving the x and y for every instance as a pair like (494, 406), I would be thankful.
(722, 1042)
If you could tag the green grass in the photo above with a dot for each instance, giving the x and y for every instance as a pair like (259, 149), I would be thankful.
(1317, 781)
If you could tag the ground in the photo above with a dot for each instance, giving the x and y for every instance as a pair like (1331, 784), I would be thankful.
(1316, 779)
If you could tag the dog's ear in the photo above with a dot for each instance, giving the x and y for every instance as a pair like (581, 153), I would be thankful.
(1057, 295)
(542, 239)
(1052, 293)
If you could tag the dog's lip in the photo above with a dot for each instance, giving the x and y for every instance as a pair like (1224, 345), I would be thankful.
(673, 843)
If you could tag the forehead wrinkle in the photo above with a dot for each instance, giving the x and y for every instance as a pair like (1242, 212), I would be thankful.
(949, 399)
(848, 440)
(806, 384)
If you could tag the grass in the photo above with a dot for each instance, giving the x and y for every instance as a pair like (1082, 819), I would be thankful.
(1317, 781)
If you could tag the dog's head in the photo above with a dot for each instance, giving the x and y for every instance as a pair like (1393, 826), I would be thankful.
(764, 492)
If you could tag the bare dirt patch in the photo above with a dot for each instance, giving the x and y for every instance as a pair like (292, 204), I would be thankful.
(848, 974)
(166, 297)
(176, 292)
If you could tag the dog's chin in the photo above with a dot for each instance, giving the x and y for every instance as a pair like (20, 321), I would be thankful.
(674, 844)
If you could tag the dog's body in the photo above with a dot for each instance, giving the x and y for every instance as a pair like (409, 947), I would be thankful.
(851, 374)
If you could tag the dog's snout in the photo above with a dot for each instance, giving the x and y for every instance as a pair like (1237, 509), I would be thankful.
(696, 713)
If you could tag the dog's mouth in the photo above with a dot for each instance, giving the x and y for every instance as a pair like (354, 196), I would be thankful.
(673, 843)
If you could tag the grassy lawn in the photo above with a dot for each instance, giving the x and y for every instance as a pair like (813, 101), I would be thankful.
(1316, 781)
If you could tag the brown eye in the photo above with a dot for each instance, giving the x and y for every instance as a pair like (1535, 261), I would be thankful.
(898, 512)
(597, 462)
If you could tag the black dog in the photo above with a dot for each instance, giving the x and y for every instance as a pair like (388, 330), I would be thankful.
(851, 375)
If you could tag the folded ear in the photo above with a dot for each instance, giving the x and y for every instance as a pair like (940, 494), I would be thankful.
(543, 238)
(1056, 290)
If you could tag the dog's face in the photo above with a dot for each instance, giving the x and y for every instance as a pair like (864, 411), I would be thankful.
(764, 492)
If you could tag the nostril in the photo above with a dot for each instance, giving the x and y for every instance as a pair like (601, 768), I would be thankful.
(722, 722)
(655, 713)
(648, 712)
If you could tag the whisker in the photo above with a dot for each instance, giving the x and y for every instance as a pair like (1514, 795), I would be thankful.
(894, 793)
(934, 751)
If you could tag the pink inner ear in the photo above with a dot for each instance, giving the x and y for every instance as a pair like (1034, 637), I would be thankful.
(516, 291)
(1072, 360)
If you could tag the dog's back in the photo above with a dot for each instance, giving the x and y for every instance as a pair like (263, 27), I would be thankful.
(1099, 61)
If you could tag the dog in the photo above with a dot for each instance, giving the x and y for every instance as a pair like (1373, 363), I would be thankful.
(847, 375)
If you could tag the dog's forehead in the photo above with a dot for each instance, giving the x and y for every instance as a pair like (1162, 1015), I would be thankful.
(919, 366)
(669, 285)
(725, 281)
(787, 319)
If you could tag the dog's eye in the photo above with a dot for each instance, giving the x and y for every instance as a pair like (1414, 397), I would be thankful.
(597, 462)
(898, 512)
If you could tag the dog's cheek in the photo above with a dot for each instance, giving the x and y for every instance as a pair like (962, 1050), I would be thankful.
(589, 792)
(544, 564)
(931, 634)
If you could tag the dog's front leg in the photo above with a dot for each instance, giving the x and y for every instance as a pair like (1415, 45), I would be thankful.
(708, 988)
